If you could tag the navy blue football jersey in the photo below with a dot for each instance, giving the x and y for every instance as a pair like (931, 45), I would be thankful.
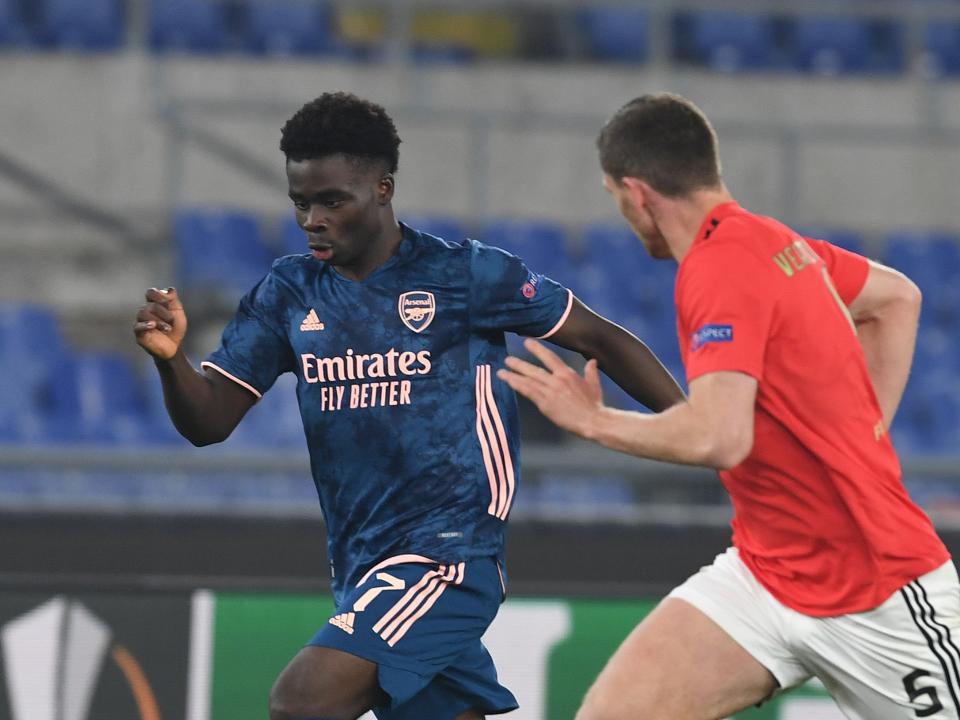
(413, 441)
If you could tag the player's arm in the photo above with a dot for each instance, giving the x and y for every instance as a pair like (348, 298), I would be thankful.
(713, 427)
(621, 355)
(887, 313)
(205, 408)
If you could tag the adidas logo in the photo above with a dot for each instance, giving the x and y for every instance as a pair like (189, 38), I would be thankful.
(344, 621)
(311, 322)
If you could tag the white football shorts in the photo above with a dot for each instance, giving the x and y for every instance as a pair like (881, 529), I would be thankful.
(900, 660)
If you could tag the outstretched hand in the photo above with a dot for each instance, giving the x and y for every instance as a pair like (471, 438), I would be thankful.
(161, 323)
(559, 392)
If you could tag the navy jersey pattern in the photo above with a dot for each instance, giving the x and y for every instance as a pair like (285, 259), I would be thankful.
(413, 441)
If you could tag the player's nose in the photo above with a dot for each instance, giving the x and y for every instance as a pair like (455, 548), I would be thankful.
(314, 221)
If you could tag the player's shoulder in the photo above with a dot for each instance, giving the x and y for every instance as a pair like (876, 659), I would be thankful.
(287, 277)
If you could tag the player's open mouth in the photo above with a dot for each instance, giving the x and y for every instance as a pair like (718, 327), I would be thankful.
(321, 252)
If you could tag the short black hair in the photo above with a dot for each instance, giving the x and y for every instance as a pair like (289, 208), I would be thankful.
(663, 139)
(341, 123)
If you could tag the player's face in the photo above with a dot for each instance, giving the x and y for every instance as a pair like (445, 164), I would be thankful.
(640, 219)
(338, 202)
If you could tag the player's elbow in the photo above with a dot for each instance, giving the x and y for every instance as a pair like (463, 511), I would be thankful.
(729, 448)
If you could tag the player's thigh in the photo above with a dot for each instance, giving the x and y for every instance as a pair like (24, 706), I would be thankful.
(677, 664)
(327, 683)
(899, 660)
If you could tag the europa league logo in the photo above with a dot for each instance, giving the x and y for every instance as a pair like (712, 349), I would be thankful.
(53, 657)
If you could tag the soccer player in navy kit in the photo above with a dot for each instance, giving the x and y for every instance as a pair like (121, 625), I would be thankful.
(395, 337)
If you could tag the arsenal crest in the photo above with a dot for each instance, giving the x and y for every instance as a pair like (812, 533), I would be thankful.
(417, 309)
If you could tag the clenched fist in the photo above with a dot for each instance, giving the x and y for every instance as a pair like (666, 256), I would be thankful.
(161, 323)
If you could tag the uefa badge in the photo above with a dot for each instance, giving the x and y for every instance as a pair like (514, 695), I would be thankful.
(417, 309)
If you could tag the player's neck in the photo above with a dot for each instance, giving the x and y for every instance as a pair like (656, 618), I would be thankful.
(379, 252)
(680, 220)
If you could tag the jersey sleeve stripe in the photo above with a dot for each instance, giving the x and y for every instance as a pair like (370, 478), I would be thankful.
(563, 318)
(502, 445)
(395, 560)
(484, 431)
(207, 364)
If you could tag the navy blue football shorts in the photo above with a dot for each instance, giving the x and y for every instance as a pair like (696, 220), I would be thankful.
(421, 623)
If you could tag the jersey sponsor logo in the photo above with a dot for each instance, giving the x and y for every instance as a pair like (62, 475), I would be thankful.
(417, 309)
(712, 334)
(390, 366)
(311, 323)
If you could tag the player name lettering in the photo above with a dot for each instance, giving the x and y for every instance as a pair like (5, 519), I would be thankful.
(356, 366)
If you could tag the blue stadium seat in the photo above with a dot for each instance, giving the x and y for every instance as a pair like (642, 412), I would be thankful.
(926, 256)
(727, 41)
(31, 346)
(199, 26)
(619, 33)
(220, 251)
(441, 226)
(541, 244)
(942, 45)
(928, 419)
(82, 24)
(95, 397)
(13, 30)
(288, 27)
(833, 45)
(293, 241)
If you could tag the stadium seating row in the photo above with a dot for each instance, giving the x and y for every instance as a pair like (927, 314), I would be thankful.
(619, 32)
(55, 394)
(227, 251)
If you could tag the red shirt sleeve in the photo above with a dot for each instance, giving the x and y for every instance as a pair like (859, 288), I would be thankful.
(725, 305)
(847, 269)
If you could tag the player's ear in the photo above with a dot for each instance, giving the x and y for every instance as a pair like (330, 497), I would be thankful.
(385, 188)
(638, 191)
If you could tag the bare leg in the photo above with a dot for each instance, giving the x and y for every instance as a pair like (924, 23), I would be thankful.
(470, 715)
(677, 665)
(325, 684)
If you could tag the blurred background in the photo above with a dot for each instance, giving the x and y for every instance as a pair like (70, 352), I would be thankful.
(139, 148)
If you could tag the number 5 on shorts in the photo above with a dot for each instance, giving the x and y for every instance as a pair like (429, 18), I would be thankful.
(915, 693)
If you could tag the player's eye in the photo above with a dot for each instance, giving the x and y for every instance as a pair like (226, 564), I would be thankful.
(301, 206)
(333, 203)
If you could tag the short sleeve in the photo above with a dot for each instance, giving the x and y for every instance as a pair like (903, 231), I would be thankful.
(254, 350)
(506, 295)
(725, 304)
(848, 271)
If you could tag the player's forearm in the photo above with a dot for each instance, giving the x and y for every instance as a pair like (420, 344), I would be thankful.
(888, 338)
(191, 402)
(675, 435)
(632, 365)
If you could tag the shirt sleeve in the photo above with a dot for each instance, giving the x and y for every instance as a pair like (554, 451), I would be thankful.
(506, 295)
(254, 350)
(725, 304)
(848, 271)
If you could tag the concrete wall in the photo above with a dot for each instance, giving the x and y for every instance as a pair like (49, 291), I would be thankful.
(478, 142)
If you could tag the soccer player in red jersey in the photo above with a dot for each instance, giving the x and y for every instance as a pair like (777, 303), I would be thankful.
(797, 353)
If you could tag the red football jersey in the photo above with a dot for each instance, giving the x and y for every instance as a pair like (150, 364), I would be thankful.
(821, 516)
